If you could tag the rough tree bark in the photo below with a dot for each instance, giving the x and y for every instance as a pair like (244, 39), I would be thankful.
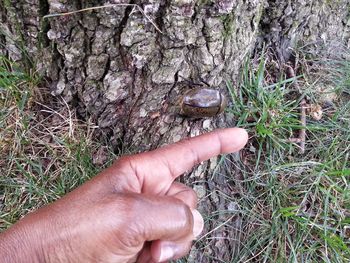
(115, 67)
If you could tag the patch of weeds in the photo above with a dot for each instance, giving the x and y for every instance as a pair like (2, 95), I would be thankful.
(264, 109)
(294, 208)
(45, 151)
(10, 79)
(16, 90)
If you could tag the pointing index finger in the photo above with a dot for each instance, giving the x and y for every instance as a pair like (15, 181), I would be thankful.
(156, 170)
(182, 156)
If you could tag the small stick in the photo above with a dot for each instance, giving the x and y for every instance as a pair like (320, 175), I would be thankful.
(302, 134)
(303, 106)
(106, 6)
(295, 140)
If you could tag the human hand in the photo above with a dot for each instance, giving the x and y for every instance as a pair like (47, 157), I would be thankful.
(132, 211)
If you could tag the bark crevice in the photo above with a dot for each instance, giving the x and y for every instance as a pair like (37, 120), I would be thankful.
(44, 9)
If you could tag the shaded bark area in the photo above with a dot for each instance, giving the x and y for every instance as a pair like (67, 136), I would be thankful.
(128, 77)
(21, 31)
(318, 24)
(115, 68)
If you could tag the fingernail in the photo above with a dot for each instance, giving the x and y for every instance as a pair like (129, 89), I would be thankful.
(166, 253)
(198, 223)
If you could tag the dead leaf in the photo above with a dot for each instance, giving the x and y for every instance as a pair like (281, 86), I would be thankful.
(315, 111)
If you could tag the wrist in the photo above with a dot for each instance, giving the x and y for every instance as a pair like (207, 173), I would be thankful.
(31, 239)
(17, 246)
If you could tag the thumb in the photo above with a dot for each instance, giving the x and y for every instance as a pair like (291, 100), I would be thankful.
(161, 218)
(168, 223)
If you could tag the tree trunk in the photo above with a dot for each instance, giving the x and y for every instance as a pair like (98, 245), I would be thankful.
(117, 68)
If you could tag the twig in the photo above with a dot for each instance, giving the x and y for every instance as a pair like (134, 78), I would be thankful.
(71, 132)
(295, 140)
(303, 105)
(216, 228)
(135, 6)
(302, 133)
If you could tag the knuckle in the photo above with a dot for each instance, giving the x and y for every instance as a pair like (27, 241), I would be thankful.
(185, 194)
(125, 204)
(123, 161)
(190, 198)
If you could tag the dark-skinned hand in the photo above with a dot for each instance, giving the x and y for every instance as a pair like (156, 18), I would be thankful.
(133, 211)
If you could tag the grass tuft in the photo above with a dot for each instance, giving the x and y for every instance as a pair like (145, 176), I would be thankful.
(263, 108)
(295, 208)
(45, 151)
